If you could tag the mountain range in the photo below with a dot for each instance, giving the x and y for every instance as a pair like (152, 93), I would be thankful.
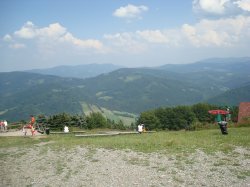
(78, 71)
(133, 90)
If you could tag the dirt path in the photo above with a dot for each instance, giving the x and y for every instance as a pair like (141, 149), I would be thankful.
(18, 133)
(44, 166)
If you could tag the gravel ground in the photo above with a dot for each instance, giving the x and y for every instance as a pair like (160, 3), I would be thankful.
(43, 166)
(18, 133)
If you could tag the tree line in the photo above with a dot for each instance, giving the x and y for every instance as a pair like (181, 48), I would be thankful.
(91, 121)
(182, 117)
(168, 118)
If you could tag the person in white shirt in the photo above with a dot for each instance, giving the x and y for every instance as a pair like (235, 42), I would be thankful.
(5, 125)
(140, 128)
(66, 129)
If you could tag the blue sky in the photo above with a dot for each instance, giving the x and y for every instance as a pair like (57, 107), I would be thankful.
(48, 33)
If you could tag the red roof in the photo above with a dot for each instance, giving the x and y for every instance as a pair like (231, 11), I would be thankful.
(218, 112)
(244, 111)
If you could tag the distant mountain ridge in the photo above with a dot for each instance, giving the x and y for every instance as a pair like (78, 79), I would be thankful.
(77, 71)
(213, 64)
(232, 97)
(132, 90)
(228, 72)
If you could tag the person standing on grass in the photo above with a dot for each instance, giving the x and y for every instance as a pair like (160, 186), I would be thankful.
(24, 130)
(5, 125)
(32, 122)
(1, 125)
(140, 128)
(66, 129)
(30, 126)
(143, 128)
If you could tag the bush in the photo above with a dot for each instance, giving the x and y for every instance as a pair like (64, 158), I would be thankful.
(96, 120)
(15, 125)
(149, 119)
(57, 122)
(119, 125)
(201, 112)
(181, 117)
(176, 118)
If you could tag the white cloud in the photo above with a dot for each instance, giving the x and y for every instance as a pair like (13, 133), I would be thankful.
(28, 31)
(125, 42)
(224, 34)
(154, 36)
(190, 33)
(221, 8)
(210, 6)
(54, 30)
(130, 11)
(244, 4)
(17, 46)
(221, 32)
(143, 40)
(7, 38)
(68, 37)
(54, 34)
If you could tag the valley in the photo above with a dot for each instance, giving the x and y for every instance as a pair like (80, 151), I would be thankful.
(127, 90)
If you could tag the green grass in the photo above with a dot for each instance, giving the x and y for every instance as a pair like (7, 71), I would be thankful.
(21, 141)
(243, 174)
(180, 142)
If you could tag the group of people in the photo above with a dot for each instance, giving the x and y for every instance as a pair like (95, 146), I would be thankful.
(30, 126)
(4, 125)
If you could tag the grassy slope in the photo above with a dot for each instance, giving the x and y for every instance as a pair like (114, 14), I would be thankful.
(112, 115)
(166, 142)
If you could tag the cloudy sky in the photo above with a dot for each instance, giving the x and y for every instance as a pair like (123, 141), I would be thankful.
(136, 33)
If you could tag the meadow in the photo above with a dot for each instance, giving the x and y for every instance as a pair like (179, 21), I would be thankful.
(208, 141)
(164, 158)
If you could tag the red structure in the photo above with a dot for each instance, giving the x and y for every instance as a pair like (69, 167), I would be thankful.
(244, 112)
(218, 112)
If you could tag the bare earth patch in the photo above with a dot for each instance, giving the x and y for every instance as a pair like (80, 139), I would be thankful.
(18, 133)
(42, 166)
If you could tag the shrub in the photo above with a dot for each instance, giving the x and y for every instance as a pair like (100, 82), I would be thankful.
(96, 120)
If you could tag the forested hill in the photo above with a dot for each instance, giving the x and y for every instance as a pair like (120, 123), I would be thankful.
(138, 89)
(128, 89)
(228, 72)
(23, 94)
(232, 97)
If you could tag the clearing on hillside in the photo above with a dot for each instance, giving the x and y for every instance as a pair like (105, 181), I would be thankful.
(125, 117)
